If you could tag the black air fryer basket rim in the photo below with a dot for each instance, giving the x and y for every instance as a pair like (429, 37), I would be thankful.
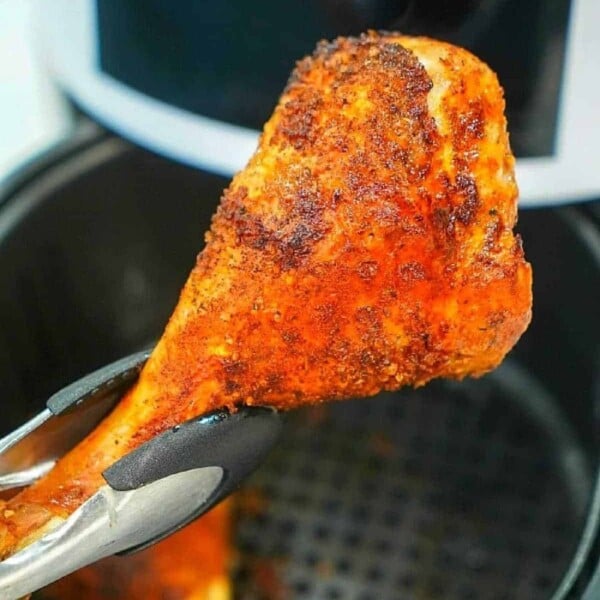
(583, 572)
(84, 134)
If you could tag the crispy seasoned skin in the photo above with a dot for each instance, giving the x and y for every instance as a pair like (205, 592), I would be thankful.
(367, 245)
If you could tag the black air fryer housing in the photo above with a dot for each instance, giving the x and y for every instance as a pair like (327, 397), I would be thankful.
(480, 489)
(229, 60)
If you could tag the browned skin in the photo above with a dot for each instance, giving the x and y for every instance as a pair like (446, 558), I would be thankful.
(367, 245)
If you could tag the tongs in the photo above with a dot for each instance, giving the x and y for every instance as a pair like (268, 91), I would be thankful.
(150, 493)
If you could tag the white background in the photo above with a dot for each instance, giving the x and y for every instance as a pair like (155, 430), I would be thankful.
(32, 114)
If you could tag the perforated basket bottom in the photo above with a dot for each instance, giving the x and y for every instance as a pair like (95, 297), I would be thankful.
(454, 491)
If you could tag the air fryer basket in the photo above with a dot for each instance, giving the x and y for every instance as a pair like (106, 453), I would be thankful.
(480, 489)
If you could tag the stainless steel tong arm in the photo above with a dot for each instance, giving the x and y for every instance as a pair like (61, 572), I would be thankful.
(151, 492)
(109, 522)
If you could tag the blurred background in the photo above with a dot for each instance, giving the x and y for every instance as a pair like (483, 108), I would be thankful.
(196, 80)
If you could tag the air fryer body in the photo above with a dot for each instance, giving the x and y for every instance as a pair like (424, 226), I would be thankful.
(483, 489)
(196, 80)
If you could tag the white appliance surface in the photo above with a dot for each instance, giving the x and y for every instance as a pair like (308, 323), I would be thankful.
(33, 115)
